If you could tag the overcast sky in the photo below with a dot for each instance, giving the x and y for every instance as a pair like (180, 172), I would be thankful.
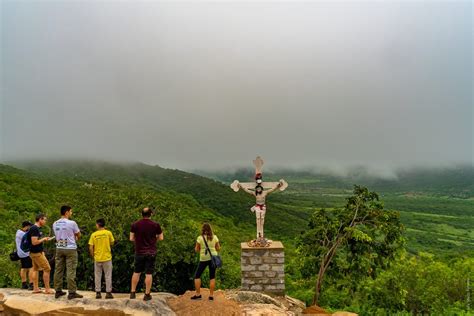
(209, 85)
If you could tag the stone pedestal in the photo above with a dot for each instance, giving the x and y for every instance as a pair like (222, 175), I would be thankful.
(263, 268)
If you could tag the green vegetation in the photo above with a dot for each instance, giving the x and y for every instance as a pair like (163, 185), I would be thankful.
(435, 207)
(359, 238)
(24, 194)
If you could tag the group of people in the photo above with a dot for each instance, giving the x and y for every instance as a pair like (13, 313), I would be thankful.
(144, 233)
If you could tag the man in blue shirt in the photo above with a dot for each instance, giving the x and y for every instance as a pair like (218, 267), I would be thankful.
(26, 263)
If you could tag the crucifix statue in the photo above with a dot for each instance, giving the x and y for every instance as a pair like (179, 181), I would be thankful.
(259, 190)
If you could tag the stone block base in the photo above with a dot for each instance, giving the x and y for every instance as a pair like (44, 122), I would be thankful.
(263, 268)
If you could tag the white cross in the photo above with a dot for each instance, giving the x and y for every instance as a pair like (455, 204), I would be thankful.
(266, 188)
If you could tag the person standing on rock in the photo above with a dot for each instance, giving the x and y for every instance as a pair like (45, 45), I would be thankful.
(40, 263)
(144, 233)
(25, 260)
(100, 244)
(207, 240)
(67, 233)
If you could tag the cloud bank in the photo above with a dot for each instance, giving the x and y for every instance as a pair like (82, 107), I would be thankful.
(210, 85)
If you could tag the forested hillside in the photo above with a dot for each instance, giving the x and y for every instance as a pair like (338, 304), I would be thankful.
(24, 194)
(436, 223)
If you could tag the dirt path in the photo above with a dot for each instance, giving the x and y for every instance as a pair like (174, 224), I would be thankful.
(183, 305)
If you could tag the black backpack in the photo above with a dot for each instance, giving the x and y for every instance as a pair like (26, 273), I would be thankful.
(25, 243)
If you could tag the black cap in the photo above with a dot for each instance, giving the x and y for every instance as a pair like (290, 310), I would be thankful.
(26, 223)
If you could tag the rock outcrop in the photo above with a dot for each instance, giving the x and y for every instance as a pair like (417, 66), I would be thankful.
(228, 302)
(235, 303)
(254, 303)
(23, 303)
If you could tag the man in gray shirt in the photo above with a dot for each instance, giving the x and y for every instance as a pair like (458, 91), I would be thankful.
(67, 233)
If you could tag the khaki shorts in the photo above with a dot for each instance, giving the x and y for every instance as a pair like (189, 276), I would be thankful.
(40, 263)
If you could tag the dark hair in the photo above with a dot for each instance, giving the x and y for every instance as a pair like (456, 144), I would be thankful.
(26, 223)
(100, 222)
(40, 216)
(207, 230)
(147, 212)
(64, 209)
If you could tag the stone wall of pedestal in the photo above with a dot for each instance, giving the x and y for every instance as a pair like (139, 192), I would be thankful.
(263, 268)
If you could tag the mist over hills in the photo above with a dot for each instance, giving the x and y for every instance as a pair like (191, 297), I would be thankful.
(425, 196)
(456, 181)
(207, 191)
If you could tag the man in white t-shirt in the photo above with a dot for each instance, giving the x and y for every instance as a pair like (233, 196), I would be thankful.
(26, 264)
(67, 233)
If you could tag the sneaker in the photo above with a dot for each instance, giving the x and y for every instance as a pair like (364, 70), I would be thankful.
(147, 297)
(211, 298)
(24, 286)
(98, 295)
(74, 295)
(58, 294)
(109, 295)
(30, 287)
(196, 297)
(132, 295)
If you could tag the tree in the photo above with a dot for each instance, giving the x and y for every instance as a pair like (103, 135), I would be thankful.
(369, 235)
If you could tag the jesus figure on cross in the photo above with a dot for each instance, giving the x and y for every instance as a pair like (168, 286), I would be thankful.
(259, 190)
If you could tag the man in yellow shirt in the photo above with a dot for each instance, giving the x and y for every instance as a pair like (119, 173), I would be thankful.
(99, 248)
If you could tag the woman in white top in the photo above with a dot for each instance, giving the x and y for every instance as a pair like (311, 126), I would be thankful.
(205, 260)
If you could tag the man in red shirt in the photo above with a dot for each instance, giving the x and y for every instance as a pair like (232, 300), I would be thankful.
(145, 233)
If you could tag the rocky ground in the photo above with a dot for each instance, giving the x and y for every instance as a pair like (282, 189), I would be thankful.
(229, 302)
(23, 303)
